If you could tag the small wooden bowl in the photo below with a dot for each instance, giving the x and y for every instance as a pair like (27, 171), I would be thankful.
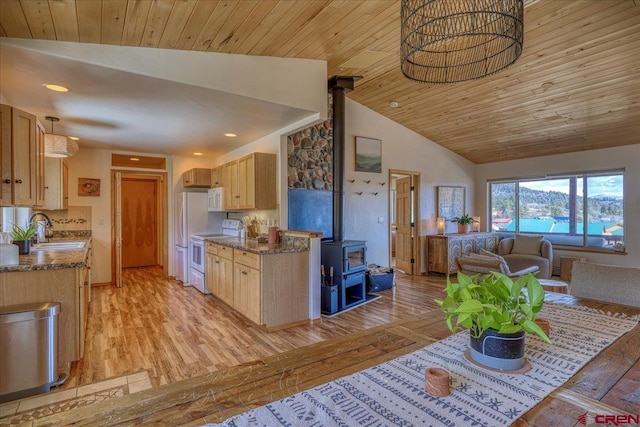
(544, 325)
(437, 381)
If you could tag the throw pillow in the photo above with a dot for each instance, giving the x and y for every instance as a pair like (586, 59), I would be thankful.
(484, 252)
(529, 245)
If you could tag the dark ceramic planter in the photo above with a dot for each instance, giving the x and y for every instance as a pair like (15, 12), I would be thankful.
(498, 351)
(23, 246)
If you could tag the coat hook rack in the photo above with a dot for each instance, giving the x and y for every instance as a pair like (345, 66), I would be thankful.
(367, 180)
(375, 194)
(359, 193)
(351, 180)
(382, 183)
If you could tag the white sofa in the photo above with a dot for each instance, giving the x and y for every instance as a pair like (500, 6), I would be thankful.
(606, 283)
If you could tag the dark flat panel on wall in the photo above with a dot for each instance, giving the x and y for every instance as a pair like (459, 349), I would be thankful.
(311, 210)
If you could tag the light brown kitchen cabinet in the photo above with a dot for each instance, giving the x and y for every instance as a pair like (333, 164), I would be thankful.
(219, 271)
(216, 177)
(272, 289)
(442, 250)
(257, 181)
(18, 157)
(56, 190)
(250, 182)
(40, 165)
(231, 196)
(247, 296)
(197, 178)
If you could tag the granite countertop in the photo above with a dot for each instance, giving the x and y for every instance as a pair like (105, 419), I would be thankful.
(52, 259)
(254, 246)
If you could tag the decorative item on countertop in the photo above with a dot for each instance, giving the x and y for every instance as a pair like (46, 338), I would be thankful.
(497, 311)
(22, 236)
(8, 251)
(436, 381)
(464, 223)
(274, 235)
(476, 224)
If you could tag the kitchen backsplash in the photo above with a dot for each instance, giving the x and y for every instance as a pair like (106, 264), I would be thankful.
(76, 218)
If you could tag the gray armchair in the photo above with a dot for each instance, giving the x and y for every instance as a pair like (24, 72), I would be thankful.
(522, 252)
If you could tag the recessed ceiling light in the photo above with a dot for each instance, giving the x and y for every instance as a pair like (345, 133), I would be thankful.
(393, 104)
(230, 135)
(197, 154)
(134, 159)
(56, 88)
(75, 138)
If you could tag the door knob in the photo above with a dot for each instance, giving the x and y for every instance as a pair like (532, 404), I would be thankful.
(18, 181)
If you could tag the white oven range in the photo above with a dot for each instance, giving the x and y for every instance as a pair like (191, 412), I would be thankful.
(197, 276)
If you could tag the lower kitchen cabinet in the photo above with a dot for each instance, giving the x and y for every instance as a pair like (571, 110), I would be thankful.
(247, 296)
(272, 289)
(219, 272)
(269, 289)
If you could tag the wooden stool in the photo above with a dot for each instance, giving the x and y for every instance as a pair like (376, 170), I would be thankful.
(554, 286)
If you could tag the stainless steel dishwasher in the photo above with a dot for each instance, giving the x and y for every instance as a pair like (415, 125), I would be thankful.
(29, 349)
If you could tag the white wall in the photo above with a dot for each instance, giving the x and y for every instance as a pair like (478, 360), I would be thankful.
(627, 157)
(405, 150)
(89, 163)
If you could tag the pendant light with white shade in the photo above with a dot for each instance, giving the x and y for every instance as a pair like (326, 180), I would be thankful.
(58, 145)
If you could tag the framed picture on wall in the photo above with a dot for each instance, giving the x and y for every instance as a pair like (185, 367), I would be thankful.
(368, 155)
(450, 202)
(89, 187)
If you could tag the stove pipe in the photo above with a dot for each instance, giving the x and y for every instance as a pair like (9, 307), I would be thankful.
(339, 86)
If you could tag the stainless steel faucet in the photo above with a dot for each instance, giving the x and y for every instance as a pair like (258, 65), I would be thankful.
(48, 226)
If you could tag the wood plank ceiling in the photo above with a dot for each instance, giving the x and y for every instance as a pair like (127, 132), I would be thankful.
(576, 86)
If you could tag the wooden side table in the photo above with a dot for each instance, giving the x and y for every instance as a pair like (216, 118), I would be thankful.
(566, 264)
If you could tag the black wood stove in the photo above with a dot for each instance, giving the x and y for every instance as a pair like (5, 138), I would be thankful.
(348, 261)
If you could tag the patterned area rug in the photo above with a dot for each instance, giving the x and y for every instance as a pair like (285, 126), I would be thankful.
(393, 393)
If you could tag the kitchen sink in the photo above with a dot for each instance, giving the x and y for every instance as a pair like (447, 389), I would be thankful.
(56, 246)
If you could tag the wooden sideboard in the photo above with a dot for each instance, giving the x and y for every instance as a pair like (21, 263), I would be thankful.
(442, 250)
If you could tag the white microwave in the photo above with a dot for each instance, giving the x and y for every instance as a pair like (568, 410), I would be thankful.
(215, 199)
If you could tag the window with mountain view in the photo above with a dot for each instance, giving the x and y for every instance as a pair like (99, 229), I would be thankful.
(577, 210)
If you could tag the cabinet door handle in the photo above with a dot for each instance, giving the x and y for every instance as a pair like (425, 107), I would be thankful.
(7, 181)
(237, 197)
(18, 181)
(217, 262)
(244, 272)
(244, 254)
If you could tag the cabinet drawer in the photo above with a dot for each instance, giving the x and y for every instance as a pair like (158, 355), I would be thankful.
(247, 258)
(225, 252)
(212, 248)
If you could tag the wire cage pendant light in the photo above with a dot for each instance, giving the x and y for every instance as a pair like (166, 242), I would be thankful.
(58, 145)
(448, 41)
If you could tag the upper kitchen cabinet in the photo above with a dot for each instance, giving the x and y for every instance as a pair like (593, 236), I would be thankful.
(197, 178)
(56, 191)
(250, 182)
(257, 181)
(217, 177)
(18, 157)
(230, 184)
(40, 166)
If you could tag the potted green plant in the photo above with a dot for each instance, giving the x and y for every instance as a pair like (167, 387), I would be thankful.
(464, 223)
(22, 236)
(497, 311)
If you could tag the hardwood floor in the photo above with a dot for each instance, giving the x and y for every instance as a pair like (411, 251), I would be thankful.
(155, 324)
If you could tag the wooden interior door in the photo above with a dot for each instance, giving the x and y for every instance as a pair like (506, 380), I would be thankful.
(405, 227)
(139, 222)
(118, 229)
